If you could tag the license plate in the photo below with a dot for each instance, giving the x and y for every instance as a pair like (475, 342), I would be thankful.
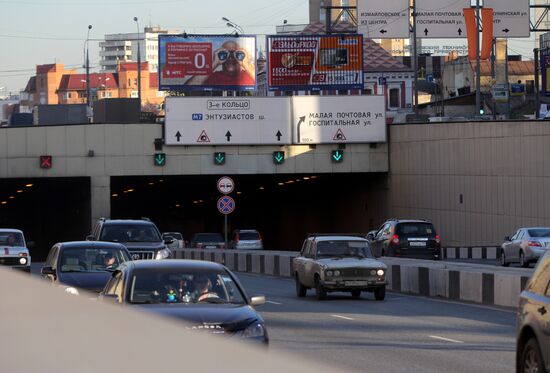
(417, 244)
(210, 247)
(356, 283)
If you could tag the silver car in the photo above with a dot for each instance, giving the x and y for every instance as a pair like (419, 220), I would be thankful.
(246, 239)
(526, 246)
(533, 321)
(338, 263)
(13, 250)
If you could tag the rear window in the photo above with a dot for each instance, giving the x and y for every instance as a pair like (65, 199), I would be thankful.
(539, 233)
(249, 236)
(415, 229)
(176, 236)
(209, 237)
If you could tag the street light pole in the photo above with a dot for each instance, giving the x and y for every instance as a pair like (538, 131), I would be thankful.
(88, 101)
(138, 63)
(478, 60)
(238, 28)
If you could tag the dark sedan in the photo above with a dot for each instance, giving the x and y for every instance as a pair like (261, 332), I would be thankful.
(206, 295)
(83, 265)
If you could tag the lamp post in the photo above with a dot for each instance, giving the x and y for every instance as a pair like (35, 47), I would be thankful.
(232, 24)
(138, 63)
(88, 101)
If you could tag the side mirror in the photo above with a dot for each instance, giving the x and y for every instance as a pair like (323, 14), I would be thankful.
(258, 300)
(47, 271)
(113, 298)
(168, 240)
(31, 245)
(506, 238)
(89, 238)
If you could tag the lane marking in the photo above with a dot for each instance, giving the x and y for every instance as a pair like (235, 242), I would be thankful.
(271, 302)
(445, 339)
(343, 317)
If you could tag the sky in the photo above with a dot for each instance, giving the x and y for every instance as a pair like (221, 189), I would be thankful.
(34, 32)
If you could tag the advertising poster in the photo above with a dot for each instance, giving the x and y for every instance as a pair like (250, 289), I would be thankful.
(545, 70)
(315, 62)
(207, 62)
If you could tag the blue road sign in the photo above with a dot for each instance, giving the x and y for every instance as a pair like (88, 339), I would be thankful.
(226, 205)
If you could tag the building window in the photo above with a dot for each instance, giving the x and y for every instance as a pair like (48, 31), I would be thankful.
(68, 95)
(81, 94)
(369, 90)
(394, 97)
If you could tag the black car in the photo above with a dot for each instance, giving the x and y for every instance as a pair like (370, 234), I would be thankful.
(407, 239)
(207, 241)
(83, 265)
(141, 237)
(204, 294)
(533, 321)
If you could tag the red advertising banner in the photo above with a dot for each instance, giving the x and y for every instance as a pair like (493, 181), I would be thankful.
(207, 62)
(315, 62)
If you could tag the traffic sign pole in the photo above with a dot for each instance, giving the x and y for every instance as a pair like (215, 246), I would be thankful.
(415, 63)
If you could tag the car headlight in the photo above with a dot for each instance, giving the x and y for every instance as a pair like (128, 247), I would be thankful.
(336, 273)
(23, 261)
(163, 254)
(380, 272)
(329, 273)
(71, 290)
(257, 329)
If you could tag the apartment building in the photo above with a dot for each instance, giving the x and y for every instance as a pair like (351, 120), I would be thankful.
(121, 48)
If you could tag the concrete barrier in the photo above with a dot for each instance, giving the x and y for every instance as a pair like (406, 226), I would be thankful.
(474, 283)
(470, 252)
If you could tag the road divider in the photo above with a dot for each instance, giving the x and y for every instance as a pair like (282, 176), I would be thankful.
(473, 283)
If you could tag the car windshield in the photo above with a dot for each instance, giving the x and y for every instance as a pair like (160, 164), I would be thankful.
(91, 259)
(11, 239)
(249, 236)
(130, 233)
(415, 229)
(540, 233)
(176, 236)
(184, 286)
(208, 237)
(343, 249)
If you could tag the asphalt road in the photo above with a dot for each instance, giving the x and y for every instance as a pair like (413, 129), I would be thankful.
(401, 334)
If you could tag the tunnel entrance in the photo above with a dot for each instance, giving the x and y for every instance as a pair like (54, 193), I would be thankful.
(284, 208)
(47, 210)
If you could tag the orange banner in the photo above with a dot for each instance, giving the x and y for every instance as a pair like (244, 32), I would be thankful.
(486, 36)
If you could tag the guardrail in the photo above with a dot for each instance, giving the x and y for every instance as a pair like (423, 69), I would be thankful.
(475, 283)
(470, 252)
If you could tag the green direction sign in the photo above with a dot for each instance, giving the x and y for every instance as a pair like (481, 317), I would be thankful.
(337, 156)
(278, 157)
(160, 159)
(219, 158)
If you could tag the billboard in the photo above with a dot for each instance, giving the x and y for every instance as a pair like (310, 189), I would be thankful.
(545, 72)
(315, 62)
(207, 62)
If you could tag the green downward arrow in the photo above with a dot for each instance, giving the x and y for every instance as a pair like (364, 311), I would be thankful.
(219, 158)
(279, 157)
(160, 159)
(337, 155)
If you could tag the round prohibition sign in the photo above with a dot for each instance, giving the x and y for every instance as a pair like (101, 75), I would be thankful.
(225, 185)
(226, 205)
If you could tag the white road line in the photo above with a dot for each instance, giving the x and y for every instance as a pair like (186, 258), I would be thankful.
(445, 339)
(343, 317)
(271, 302)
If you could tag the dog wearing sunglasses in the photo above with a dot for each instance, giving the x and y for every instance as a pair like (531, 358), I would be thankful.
(231, 66)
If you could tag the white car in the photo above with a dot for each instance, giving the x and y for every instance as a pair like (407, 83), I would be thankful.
(178, 243)
(13, 250)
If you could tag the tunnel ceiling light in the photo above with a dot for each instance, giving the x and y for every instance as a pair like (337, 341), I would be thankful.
(19, 191)
(201, 201)
(4, 203)
(29, 185)
(281, 184)
(11, 197)
(195, 202)
(178, 205)
(130, 190)
(151, 183)
(114, 195)
(314, 177)
(262, 188)
(290, 181)
(161, 181)
(306, 178)
(239, 192)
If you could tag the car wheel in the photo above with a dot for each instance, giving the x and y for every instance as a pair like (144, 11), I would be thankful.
(531, 358)
(320, 291)
(301, 290)
(380, 293)
(503, 259)
(522, 261)
(356, 294)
